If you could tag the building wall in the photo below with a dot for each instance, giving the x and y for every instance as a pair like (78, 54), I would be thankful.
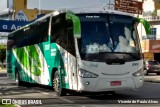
(157, 4)
(148, 5)
(157, 26)
(22, 13)
(20, 7)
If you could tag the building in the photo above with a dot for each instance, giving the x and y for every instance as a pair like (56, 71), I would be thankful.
(5, 14)
(21, 12)
(151, 43)
(18, 11)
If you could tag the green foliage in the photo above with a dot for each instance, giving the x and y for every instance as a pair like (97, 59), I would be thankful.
(154, 13)
(7, 105)
(2, 53)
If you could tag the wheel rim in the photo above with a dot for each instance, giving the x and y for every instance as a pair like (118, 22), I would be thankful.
(56, 83)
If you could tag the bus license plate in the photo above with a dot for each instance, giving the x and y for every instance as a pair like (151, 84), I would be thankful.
(115, 83)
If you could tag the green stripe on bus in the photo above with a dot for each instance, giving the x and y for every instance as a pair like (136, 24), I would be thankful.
(31, 62)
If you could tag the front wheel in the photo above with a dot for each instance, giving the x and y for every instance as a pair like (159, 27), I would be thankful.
(57, 85)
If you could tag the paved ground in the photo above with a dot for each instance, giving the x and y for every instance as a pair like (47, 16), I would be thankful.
(37, 92)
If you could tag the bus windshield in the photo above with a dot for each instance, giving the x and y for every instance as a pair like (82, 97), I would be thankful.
(106, 34)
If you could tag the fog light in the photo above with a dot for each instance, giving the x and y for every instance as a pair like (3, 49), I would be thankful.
(141, 80)
(87, 83)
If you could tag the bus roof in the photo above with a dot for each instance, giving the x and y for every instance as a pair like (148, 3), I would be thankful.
(75, 11)
(99, 10)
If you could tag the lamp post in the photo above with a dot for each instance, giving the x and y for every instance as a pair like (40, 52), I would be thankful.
(109, 5)
(39, 6)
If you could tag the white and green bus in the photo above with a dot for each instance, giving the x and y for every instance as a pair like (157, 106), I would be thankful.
(85, 51)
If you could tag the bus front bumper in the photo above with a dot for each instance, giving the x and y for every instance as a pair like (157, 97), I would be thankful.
(110, 84)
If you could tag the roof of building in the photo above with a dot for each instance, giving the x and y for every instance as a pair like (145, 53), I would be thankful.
(6, 11)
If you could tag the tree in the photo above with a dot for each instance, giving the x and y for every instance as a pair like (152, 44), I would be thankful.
(2, 53)
(154, 13)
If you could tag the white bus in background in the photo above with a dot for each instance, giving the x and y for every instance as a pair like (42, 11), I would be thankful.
(85, 51)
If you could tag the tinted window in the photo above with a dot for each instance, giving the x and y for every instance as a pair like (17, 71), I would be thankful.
(105, 36)
(153, 62)
(71, 43)
(59, 31)
(62, 33)
(34, 34)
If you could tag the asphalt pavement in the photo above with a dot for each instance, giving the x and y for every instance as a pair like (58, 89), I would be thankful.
(149, 78)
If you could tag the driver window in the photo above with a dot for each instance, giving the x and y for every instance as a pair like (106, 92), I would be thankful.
(70, 41)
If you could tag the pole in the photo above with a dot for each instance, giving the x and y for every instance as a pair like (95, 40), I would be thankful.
(39, 6)
(109, 4)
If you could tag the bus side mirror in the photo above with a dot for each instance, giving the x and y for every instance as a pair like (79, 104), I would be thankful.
(146, 25)
(76, 24)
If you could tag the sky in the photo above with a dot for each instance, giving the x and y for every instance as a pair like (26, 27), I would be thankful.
(3, 4)
(57, 4)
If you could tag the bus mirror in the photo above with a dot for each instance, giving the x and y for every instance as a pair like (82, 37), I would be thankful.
(146, 25)
(76, 24)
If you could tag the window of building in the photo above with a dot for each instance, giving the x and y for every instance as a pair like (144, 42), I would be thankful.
(158, 1)
(154, 31)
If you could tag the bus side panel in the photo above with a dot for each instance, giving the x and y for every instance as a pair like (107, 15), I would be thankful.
(58, 61)
(46, 60)
(22, 63)
(68, 69)
(10, 64)
(33, 63)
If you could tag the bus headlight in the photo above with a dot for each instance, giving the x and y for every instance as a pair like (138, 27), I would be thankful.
(139, 73)
(86, 74)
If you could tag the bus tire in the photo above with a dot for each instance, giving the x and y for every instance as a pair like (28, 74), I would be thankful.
(57, 85)
(17, 78)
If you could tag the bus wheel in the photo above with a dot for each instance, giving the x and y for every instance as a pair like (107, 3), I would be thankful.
(57, 85)
(18, 82)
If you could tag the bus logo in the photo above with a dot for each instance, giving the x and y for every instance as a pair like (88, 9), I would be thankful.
(135, 64)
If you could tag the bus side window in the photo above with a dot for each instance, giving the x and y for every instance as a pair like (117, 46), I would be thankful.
(10, 42)
(71, 43)
(58, 32)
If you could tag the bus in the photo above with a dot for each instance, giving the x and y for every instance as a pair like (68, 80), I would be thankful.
(89, 51)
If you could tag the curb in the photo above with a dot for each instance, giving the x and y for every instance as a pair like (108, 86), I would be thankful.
(152, 80)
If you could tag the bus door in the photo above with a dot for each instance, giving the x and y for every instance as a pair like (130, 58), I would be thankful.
(72, 65)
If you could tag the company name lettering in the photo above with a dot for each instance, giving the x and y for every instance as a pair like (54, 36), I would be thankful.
(11, 27)
(156, 46)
